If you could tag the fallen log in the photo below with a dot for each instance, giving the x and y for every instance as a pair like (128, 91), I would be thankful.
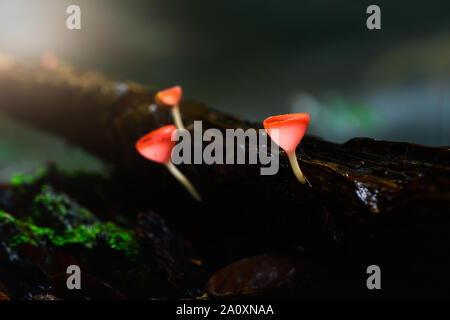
(368, 197)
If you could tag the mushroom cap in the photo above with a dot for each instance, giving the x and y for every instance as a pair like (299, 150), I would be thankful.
(157, 145)
(291, 129)
(169, 97)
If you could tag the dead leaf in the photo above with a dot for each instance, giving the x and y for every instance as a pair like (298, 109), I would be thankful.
(255, 273)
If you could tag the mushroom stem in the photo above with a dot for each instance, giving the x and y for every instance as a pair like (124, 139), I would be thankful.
(177, 117)
(296, 168)
(184, 181)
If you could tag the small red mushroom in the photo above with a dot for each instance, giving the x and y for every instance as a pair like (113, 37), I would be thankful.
(157, 146)
(287, 131)
(171, 97)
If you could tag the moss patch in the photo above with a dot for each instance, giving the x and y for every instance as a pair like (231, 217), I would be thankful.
(58, 211)
(19, 178)
(116, 237)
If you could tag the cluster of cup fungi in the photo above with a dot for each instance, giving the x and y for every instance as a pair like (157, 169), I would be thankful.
(157, 145)
(285, 130)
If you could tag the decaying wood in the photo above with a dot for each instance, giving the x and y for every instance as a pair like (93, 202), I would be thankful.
(364, 192)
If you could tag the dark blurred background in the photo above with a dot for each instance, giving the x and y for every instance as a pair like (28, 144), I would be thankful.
(251, 58)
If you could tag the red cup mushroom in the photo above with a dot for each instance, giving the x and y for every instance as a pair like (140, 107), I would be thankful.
(287, 131)
(157, 146)
(171, 97)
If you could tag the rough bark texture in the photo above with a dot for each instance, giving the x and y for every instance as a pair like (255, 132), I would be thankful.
(375, 200)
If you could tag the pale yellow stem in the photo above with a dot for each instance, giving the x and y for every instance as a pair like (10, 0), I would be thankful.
(184, 181)
(296, 168)
(177, 117)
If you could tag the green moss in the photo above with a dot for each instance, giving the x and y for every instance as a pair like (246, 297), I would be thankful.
(58, 211)
(86, 235)
(20, 178)
(4, 217)
(118, 238)
(51, 202)
(57, 220)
